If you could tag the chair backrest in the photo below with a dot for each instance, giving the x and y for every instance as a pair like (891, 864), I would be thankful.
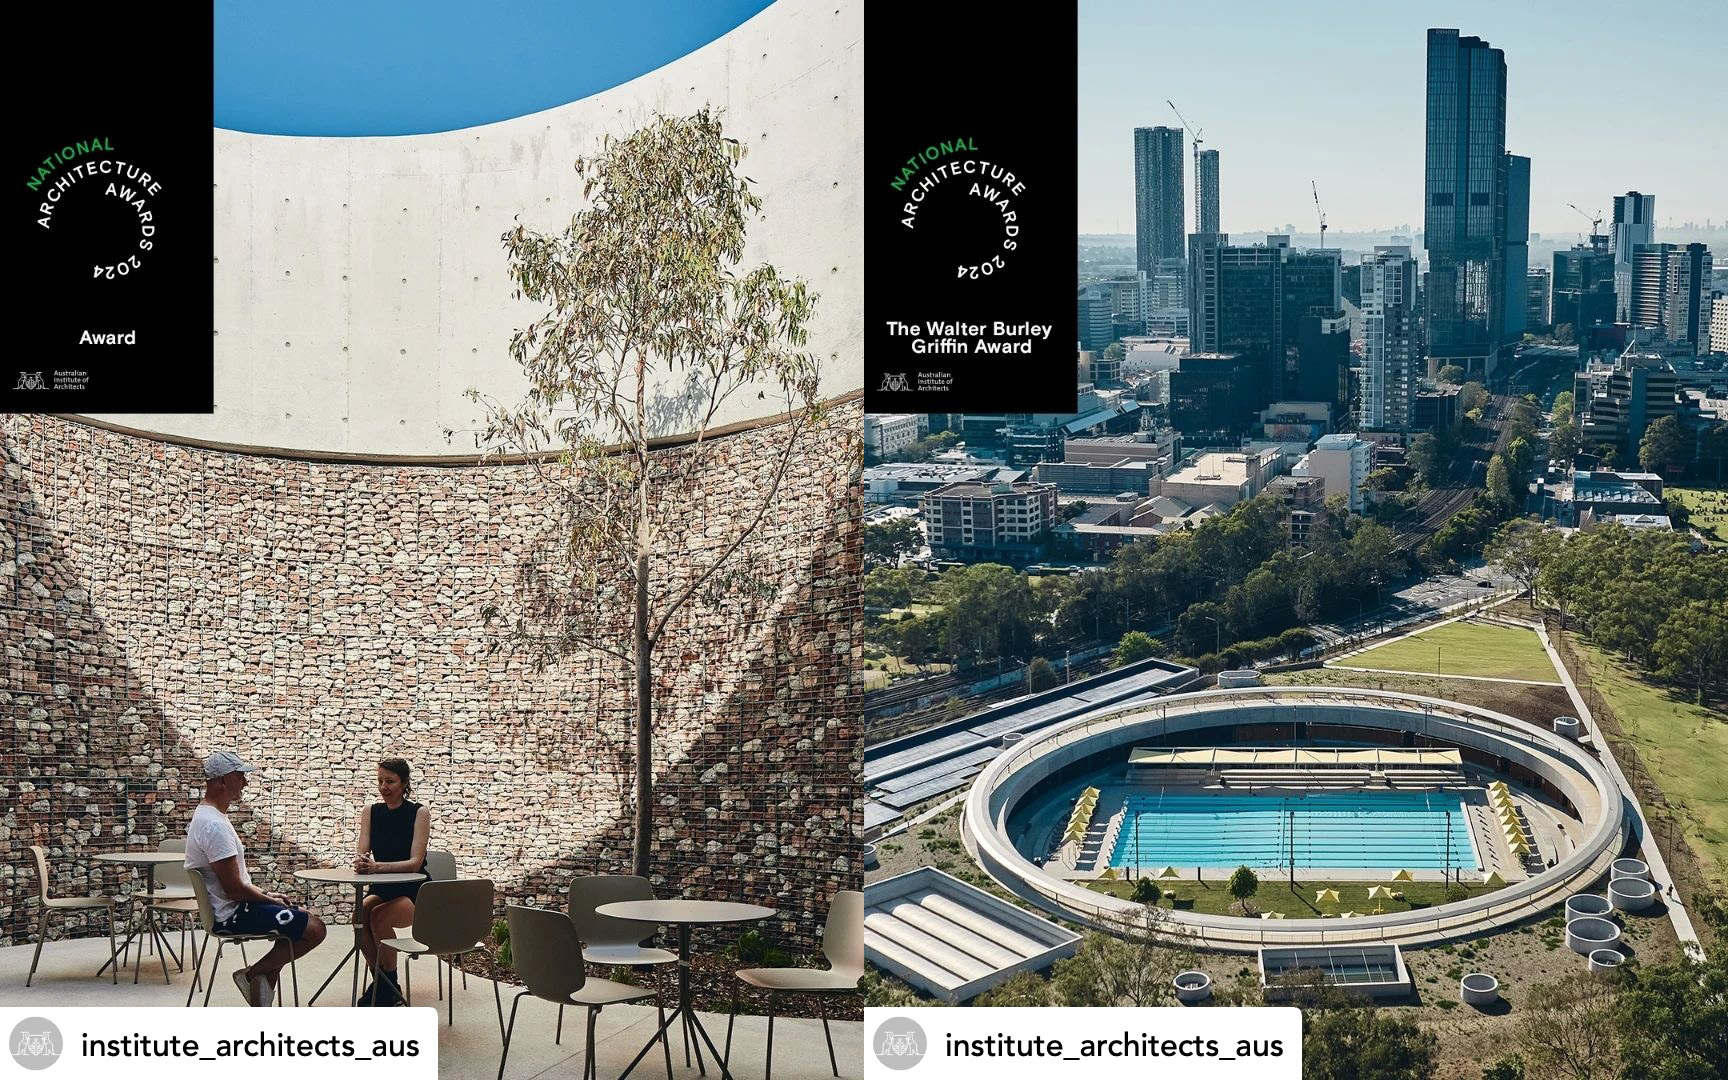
(452, 916)
(843, 937)
(176, 844)
(206, 913)
(545, 951)
(440, 866)
(41, 872)
(594, 930)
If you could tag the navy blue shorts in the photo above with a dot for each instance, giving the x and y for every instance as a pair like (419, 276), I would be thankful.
(266, 919)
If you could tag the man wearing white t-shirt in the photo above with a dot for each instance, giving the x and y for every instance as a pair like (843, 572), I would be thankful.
(213, 848)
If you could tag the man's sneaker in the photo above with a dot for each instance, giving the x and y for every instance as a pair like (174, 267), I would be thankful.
(247, 990)
(390, 991)
(263, 991)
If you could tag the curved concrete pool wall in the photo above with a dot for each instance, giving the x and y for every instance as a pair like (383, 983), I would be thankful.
(1562, 764)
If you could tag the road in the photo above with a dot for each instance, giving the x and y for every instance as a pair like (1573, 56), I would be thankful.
(1417, 601)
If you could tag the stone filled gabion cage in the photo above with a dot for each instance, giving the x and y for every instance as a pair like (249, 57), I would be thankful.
(162, 600)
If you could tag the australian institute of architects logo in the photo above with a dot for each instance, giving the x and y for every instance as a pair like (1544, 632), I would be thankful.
(35, 1043)
(899, 1043)
(951, 161)
(63, 175)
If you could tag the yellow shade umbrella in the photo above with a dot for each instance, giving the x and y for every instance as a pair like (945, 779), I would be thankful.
(1089, 793)
(1271, 914)
(1350, 914)
(1494, 879)
(1498, 785)
(1379, 890)
(1403, 875)
(1322, 896)
(1519, 847)
(1169, 872)
(1109, 874)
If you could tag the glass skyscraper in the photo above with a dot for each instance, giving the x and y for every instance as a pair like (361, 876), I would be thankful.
(1158, 217)
(1464, 201)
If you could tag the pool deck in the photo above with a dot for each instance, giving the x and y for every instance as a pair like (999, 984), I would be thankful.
(1546, 822)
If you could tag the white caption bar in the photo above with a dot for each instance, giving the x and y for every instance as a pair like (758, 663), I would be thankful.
(1082, 1044)
(258, 1044)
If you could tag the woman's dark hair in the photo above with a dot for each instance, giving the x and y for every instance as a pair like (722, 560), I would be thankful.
(400, 768)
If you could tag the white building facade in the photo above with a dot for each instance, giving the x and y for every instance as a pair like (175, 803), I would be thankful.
(1343, 461)
(1389, 347)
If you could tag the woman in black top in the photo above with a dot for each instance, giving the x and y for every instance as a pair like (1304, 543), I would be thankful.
(393, 835)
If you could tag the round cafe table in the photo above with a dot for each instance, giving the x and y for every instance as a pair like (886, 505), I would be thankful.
(334, 876)
(147, 921)
(684, 914)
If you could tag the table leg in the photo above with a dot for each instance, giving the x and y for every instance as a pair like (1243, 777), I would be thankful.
(685, 1014)
(686, 998)
(353, 951)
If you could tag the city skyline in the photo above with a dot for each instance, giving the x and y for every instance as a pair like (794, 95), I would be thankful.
(1342, 104)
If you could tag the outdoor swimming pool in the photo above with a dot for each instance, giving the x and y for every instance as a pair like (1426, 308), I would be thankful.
(1404, 830)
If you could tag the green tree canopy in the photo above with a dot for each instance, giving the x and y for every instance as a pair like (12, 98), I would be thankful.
(991, 612)
(1136, 645)
(1662, 445)
(1362, 1043)
(887, 543)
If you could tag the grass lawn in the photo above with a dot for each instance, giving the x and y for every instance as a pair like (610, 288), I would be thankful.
(1213, 897)
(1709, 508)
(1465, 648)
(1685, 746)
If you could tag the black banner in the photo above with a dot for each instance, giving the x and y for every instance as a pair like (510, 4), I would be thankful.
(970, 206)
(110, 155)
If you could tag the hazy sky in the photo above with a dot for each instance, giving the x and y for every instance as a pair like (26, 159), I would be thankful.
(1603, 97)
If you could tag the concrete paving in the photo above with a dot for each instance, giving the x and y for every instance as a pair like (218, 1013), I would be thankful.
(470, 1048)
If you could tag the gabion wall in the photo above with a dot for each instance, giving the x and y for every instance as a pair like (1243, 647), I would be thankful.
(158, 602)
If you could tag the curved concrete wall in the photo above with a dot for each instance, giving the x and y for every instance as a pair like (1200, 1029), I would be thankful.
(1017, 772)
(360, 282)
(158, 602)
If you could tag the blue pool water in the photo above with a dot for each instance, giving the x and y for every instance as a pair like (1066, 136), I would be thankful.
(1402, 829)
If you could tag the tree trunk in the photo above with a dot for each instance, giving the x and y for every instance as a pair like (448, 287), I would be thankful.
(644, 724)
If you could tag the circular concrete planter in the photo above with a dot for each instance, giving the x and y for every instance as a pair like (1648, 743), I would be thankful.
(1228, 680)
(1010, 738)
(1582, 905)
(1605, 961)
(870, 862)
(1631, 893)
(1585, 935)
(1636, 868)
(1568, 727)
(1479, 989)
(1192, 986)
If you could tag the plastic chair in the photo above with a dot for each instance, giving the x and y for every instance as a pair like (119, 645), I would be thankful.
(547, 954)
(441, 866)
(843, 945)
(615, 942)
(451, 918)
(64, 903)
(165, 891)
(207, 916)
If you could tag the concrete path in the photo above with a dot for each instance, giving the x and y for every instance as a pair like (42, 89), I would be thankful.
(470, 1048)
(1648, 851)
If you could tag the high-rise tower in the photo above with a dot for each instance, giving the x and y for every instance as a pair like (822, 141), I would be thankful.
(1634, 224)
(1464, 201)
(1208, 182)
(1158, 218)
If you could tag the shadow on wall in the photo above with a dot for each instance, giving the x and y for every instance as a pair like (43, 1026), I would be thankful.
(158, 601)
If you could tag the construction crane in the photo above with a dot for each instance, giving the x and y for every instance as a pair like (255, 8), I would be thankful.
(1595, 222)
(1321, 211)
(1195, 136)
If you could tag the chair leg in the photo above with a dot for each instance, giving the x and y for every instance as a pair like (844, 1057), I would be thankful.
(406, 963)
(110, 944)
(197, 966)
(293, 974)
(497, 998)
(590, 1070)
(215, 965)
(511, 1027)
(438, 970)
(42, 935)
(558, 1039)
(726, 1057)
(822, 1010)
(768, 1061)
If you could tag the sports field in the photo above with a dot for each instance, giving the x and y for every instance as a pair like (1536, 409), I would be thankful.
(1709, 508)
(1463, 648)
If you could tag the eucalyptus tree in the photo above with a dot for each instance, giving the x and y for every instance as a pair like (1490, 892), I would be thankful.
(650, 324)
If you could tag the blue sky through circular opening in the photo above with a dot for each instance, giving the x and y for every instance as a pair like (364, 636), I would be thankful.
(320, 67)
